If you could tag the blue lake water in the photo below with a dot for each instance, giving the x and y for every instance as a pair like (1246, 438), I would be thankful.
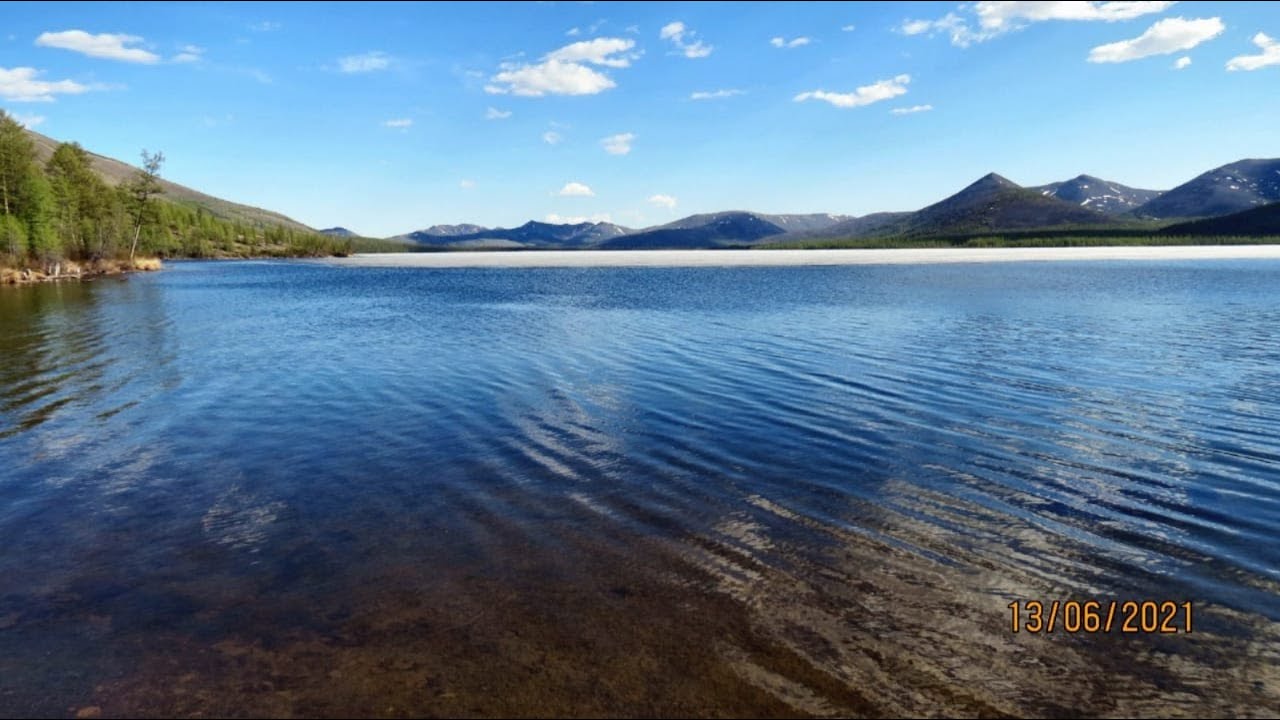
(247, 488)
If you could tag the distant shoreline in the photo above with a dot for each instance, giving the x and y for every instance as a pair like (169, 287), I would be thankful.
(768, 258)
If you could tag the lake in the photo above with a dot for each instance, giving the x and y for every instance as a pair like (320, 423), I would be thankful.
(293, 488)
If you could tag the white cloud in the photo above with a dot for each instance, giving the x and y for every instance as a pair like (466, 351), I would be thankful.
(715, 94)
(848, 28)
(994, 18)
(1001, 15)
(1166, 36)
(575, 189)
(950, 24)
(27, 121)
(189, 54)
(494, 113)
(662, 201)
(265, 26)
(793, 43)
(685, 40)
(466, 184)
(865, 95)
(20, 85)
(619, 144)
(916, 27)
(563, 72)
(551, 137)
(1182, 63)
(368, 62)
(398, 123)
(105, 45)
(549, 78)
(1270, 55)
(573, 32)
(911, 110)
(556, 219)
(601, 51)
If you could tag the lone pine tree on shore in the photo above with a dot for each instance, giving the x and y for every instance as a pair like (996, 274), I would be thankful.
(144, 185)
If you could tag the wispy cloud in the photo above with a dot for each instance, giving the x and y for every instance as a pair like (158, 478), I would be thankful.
(780, 42)
(575, 189)
(494, 113)
(565, 71)
(467, 184)
(949, 24)
(105, 45)
(1270, 55)
(619, 144)
(1182, 63)
(21, 84)
(189, 54)
(265, 26)
(716, 94)
(662, 201)
(865, 95)
(551, 137)
(1165, 37)
(210, 121)
(848, 28)
(27, 121)
(982, 21)
(588, 30)
(911, 110)
(398, 123)
(685, 40)
(367, 62)
(1012, 15)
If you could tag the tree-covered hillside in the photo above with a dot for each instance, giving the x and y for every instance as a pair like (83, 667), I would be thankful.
(62, 213)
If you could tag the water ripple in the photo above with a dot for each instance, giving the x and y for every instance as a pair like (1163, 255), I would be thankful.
(336, 439)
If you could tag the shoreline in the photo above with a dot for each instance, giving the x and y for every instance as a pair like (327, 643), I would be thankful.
(773, 258)
(72, 271)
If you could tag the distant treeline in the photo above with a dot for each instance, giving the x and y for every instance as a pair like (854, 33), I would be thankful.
(64, 211)
(1034, 239)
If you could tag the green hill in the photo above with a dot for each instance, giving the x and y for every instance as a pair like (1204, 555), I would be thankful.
(115, 172)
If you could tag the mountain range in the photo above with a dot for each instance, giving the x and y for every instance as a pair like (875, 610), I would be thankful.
(532, 234)
(991, 205)
(1235, 199)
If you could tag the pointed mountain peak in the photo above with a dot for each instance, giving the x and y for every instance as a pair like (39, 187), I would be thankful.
(991, 182)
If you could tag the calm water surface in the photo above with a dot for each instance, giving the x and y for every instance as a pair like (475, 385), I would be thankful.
(296, 489)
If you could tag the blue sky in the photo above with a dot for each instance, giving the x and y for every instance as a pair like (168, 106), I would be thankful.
(387, 118)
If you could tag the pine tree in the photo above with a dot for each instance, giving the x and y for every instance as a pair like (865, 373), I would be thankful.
(37, 212)
(13, 235)
(145, 184)
(17, 154)
(78, 195)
